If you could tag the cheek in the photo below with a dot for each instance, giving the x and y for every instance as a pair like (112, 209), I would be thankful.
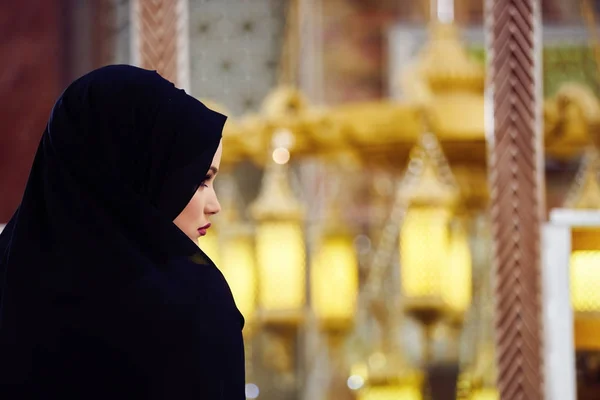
(192, 213)
(195, 207)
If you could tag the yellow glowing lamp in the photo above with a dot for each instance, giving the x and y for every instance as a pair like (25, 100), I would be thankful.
(390, 386)
(584, 270)
(281, 274)
(584, 276)
(424, 235)
(585, 280)
(334, 282)
(390, 392)
(209, 244)
(457, 276)
(239, 269)
(424, 244)
(280, 249)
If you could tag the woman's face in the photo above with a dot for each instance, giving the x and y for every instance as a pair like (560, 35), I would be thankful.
(194, 220)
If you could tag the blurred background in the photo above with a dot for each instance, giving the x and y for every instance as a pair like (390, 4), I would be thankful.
(355, 230)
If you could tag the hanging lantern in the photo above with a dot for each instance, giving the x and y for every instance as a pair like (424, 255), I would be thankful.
(425, 242)
(334, 282)
(280, 251)
(431, 196)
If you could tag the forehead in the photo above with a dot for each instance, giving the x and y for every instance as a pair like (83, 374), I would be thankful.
(217, 157)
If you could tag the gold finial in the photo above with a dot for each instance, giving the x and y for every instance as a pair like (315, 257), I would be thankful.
(443, 65)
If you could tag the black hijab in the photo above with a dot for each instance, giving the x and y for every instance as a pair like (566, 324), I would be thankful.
(122, 155)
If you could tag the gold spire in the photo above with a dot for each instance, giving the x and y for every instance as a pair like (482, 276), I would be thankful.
(445, 64)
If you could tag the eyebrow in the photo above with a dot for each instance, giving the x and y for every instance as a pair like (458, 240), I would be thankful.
(215, 170)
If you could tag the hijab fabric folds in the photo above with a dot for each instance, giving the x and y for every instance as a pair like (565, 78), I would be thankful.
(101, 294)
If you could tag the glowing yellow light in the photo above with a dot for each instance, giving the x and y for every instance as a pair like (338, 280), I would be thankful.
(334, 280)
(390, 392)
(209, 244)
(585, 280)
(239, 269)
(457, 273)
(424, 245)
(281, 155)
(485, 394)
(280, 257)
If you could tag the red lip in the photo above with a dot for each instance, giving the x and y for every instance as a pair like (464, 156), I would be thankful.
(202, 230)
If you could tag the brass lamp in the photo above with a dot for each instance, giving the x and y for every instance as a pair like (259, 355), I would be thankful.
(334, 273)
(424, 237)
(280, 248)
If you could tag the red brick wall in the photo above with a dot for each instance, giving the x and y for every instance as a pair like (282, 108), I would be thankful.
(31, 77)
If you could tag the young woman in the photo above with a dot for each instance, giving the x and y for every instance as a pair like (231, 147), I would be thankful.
(104, 292)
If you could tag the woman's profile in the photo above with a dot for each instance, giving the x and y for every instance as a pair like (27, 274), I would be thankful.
(103, 290)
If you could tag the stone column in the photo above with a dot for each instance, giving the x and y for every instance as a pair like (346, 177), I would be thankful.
(160, 38)
(516, 177)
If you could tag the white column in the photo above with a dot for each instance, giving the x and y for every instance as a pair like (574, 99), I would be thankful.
(559, 351)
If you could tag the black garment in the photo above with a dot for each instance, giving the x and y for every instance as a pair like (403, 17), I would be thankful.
(102, 296)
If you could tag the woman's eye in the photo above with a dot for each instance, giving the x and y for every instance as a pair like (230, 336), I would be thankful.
(204, 184)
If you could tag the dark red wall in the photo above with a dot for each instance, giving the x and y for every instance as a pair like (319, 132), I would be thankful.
(31, 77)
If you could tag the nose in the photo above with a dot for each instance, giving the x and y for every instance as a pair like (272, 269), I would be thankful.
(212, 206)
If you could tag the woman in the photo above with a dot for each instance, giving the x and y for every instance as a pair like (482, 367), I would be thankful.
(104, 291)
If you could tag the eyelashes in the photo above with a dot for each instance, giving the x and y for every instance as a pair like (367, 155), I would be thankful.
(204, 182)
